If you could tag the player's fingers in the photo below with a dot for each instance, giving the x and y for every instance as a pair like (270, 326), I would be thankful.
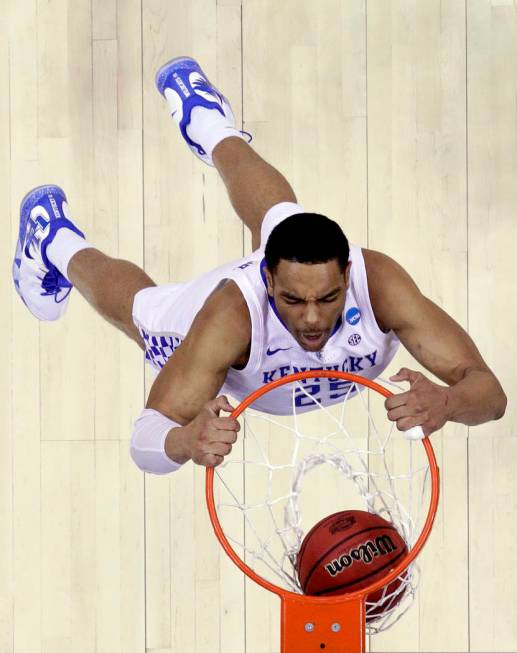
(204, 455)
(401, 375)
(397, 400)
(211, 460)
(226, 424)
(218, 448)
(220, 435)
(406, 423)
(400, 412)
(405, 374)
(220, 403)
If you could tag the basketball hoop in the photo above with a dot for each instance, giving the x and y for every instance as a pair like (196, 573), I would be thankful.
(268, 528)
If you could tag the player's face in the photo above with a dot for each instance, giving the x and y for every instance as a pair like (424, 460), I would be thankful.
(309, 298)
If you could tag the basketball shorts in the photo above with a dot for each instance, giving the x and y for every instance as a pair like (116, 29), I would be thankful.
(152, 308)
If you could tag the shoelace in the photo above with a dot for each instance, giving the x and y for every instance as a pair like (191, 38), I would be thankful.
(53, 282)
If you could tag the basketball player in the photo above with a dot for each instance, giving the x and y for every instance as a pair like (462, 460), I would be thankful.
(304, 299)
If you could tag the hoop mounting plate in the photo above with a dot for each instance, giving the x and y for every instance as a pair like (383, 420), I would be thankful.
(312, 627)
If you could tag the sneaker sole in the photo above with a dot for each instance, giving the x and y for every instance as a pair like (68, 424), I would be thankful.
(162, 70)
(45, 187)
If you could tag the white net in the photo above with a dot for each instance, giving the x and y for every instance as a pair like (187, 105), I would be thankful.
(287, 473)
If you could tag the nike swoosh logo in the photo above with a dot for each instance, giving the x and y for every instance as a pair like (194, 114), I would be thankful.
(271, 352)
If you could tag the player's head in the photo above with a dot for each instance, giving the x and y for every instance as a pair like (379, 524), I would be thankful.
(307, 275)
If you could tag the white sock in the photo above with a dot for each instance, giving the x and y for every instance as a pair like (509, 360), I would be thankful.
(66, 243)
(208, 128)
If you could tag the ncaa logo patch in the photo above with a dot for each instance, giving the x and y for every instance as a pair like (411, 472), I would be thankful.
(354, 339)
(353, 315)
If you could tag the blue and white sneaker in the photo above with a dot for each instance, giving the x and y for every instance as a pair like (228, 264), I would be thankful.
(43, 289)
(185, 86)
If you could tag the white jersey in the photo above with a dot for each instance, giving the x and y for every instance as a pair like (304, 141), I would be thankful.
(164, 314)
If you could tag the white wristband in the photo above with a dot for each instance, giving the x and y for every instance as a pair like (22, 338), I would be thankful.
(148, 442)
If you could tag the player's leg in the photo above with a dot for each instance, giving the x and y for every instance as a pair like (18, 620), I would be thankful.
(253, 185)
(207, 124)
(110, 286)
(52, 256)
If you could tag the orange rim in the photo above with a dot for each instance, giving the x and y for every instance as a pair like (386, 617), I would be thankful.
(359, 594)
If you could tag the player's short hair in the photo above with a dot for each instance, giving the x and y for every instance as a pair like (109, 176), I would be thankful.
(307, 238)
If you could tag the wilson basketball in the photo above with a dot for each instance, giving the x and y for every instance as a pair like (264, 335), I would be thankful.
(348, 551)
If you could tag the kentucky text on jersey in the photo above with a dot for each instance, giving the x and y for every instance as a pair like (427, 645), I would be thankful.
(352, 364)
(324, 390)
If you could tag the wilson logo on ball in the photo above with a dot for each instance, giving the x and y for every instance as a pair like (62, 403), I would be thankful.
(366, 552)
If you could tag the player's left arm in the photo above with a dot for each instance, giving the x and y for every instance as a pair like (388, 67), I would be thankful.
(473, 394)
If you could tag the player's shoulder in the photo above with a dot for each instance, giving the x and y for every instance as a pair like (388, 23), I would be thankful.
(378, 264)
(389, 286)
(227, 307)
(221, 329)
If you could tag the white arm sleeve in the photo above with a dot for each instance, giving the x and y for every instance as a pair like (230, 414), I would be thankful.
(148, 442)
(274, 216)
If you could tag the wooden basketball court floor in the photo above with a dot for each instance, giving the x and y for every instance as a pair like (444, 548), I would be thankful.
(396, 118)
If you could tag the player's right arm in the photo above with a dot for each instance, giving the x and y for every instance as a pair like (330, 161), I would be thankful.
(185, 389)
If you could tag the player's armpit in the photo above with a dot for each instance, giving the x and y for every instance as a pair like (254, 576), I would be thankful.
(218, 338)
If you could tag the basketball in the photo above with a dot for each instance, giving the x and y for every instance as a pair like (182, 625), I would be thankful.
(348, 551)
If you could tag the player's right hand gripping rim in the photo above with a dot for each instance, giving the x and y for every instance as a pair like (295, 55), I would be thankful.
(208, 438)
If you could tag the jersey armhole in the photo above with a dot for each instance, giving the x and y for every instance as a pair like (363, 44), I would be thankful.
(364, 293)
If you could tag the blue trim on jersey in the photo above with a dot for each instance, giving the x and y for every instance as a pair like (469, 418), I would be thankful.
(338, 325)
(270, 299)
(273, 305)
